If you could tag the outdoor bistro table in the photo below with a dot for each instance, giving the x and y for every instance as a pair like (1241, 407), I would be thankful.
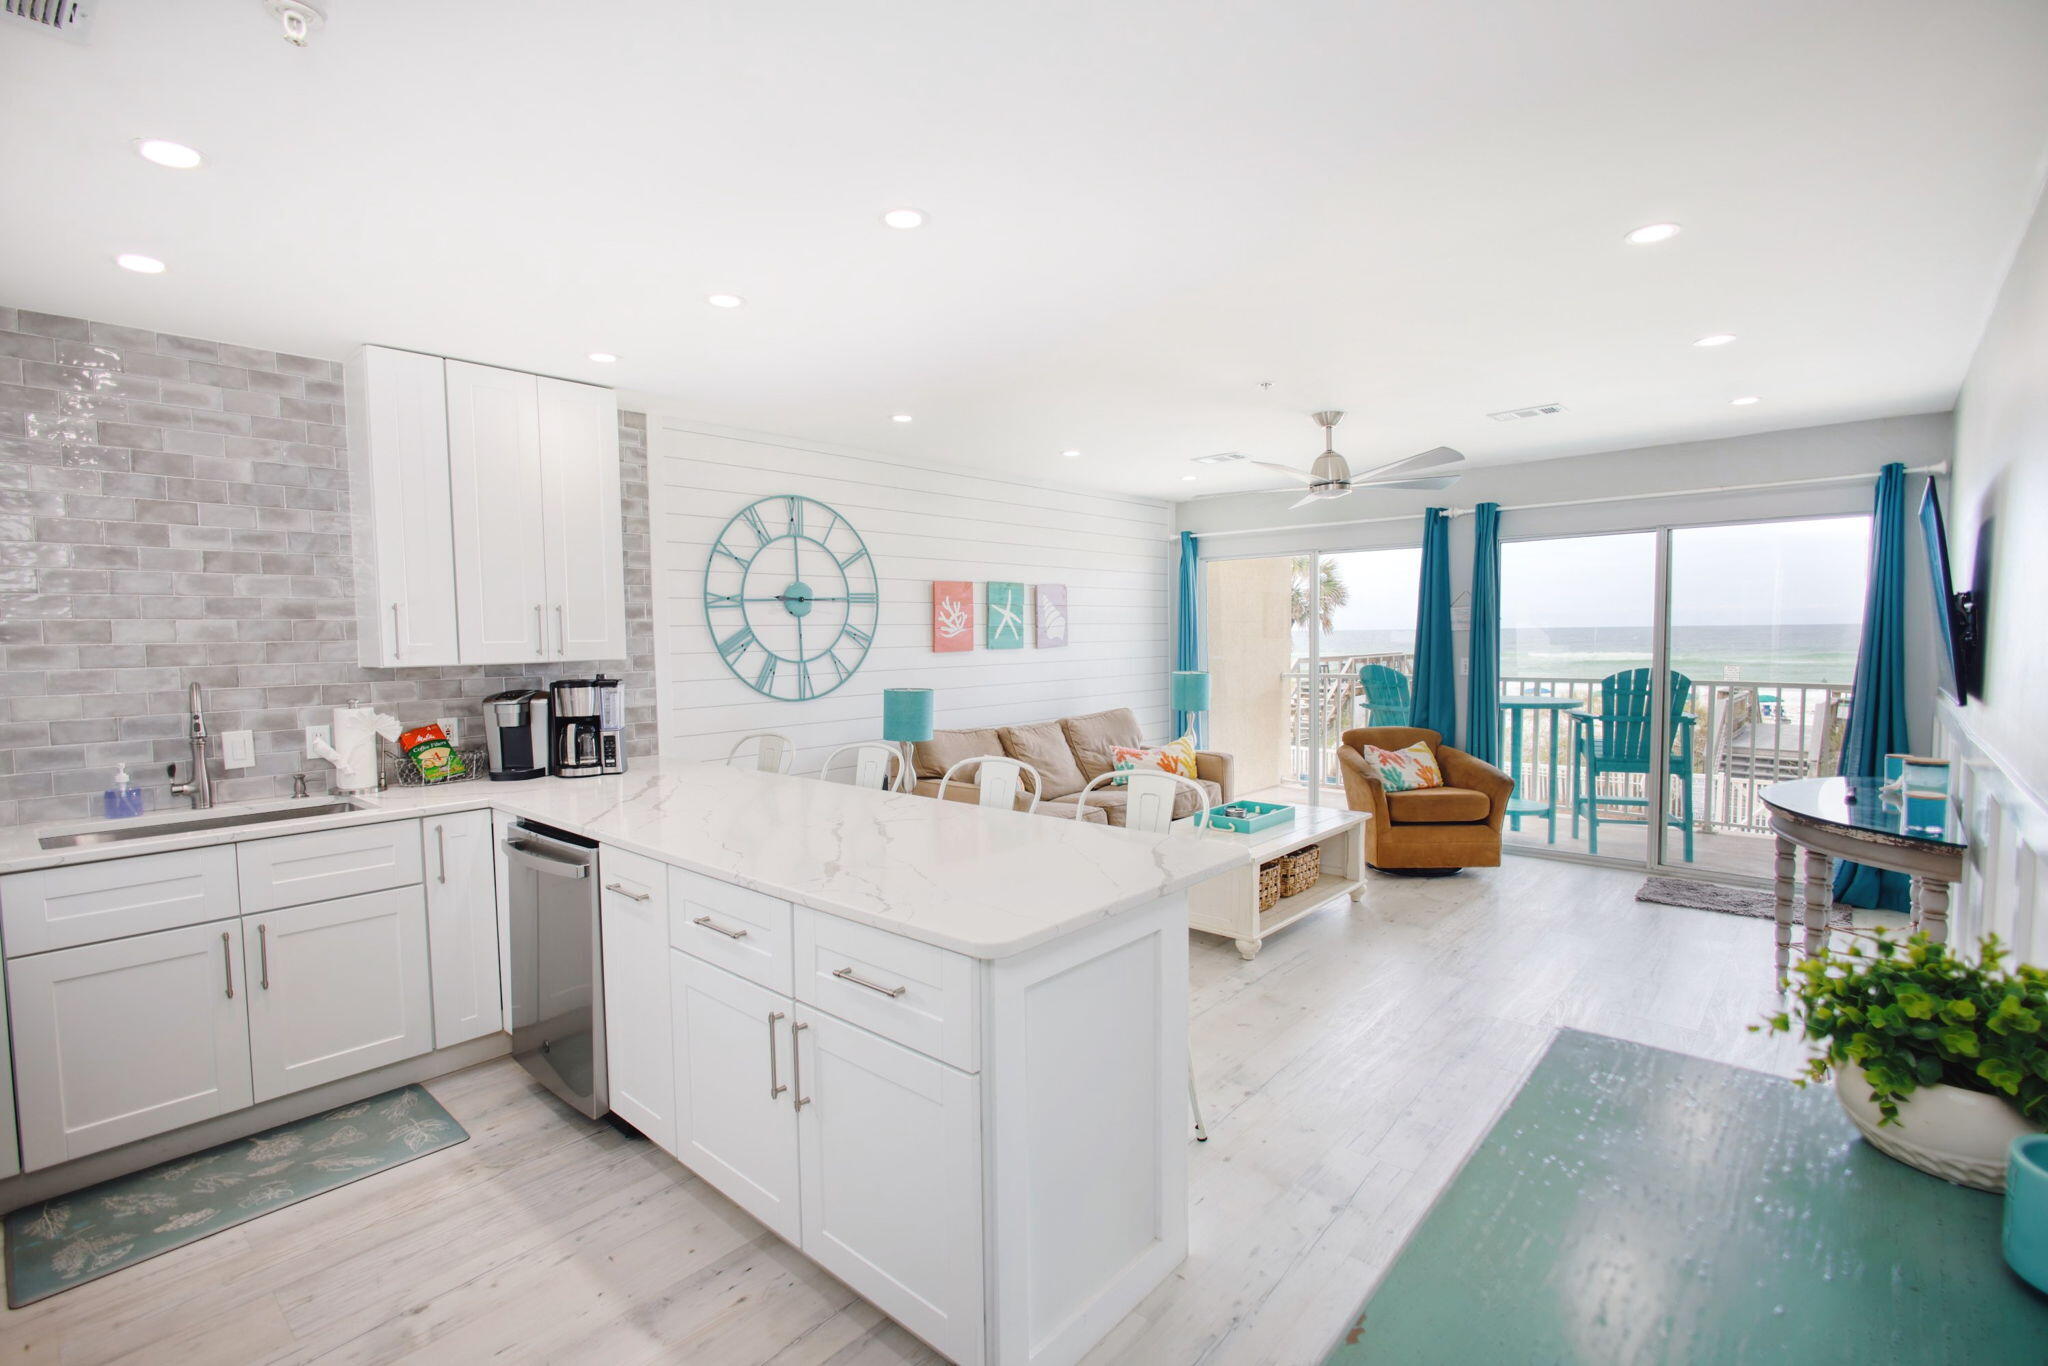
(1514, 704)
(1849, 818)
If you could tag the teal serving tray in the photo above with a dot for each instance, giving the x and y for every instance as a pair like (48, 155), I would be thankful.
(1265, 815)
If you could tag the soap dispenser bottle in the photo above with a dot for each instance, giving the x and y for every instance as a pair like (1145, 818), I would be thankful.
(123, 799)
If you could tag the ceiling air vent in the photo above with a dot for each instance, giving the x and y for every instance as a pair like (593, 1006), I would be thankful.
(72, 17)
(1535, 410)
(1220, 458)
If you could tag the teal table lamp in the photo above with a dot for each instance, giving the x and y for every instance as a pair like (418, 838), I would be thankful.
(906, 719)
(1190, 699)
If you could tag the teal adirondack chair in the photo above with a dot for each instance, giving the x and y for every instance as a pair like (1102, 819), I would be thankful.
(1385, 695)
(1616, 739)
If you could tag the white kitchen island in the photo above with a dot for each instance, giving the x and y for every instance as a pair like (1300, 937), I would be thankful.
(942, 1050)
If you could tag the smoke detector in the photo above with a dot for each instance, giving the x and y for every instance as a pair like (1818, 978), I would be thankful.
(69, 17)
(298, 19)
(1534, 410)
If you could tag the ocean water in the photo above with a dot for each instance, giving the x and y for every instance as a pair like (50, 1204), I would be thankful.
(1779, 654)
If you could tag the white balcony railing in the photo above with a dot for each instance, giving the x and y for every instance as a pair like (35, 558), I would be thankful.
(1745, 734)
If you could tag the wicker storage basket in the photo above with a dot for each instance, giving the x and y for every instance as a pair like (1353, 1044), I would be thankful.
(1270, 878)
(1300, 869)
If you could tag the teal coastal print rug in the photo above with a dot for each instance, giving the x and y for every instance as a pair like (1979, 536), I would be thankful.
(56, 1244)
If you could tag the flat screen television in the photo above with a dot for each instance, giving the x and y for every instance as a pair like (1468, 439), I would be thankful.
(1957, 630)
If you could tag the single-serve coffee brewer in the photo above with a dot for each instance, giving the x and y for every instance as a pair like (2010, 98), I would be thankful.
(588, 716)
(516, 734)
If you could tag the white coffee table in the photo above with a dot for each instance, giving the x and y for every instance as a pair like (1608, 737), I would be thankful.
(1228, 904)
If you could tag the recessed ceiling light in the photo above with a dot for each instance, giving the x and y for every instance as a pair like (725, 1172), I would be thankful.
(1071, 455)
(724, 300)
(904, 218)
(603, 357)
(164, 152)
(1653, 232)
(1188, 478)
(1745, 400)
(899, 417)
(141, 265)
(1715, 339)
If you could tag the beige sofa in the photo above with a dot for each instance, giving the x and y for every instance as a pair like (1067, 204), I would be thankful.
(1067, 753)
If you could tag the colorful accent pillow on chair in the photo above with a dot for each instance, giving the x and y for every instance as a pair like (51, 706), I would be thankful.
(1405, 770)
(1175, 756)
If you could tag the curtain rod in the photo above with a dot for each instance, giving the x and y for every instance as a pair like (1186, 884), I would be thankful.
(1938, 468)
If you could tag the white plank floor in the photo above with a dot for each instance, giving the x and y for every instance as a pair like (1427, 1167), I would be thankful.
(1346, 1073)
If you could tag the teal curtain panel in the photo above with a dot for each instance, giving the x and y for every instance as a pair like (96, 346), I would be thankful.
(1187, 637)
(1877, 708)
(1482, 684)
(1436, 695)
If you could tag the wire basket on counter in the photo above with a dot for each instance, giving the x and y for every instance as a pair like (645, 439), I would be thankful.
(398, 770)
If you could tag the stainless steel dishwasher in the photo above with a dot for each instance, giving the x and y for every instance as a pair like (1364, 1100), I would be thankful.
(557, 967)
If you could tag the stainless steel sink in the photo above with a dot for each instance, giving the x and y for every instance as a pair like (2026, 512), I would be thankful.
(154, 829)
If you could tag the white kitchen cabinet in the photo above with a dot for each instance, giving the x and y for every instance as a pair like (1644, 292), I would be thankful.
(890, 1160)
(399, 510)
(497, 486)
(735, 1090)
(462, 926)
(639, 1041)
(120, 1040)
(586, 583)
(290, 870)
(82, 903)
(336, 988)
(10, 1143)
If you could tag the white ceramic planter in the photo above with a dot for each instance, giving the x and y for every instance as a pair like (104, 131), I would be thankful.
(1945, 1131)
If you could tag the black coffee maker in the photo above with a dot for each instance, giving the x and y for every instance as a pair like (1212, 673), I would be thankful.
(516, 734)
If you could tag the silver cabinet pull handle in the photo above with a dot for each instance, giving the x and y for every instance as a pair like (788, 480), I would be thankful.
(796, 1064)
(397, 639)
(708, 923)
(540, 632)
(775, 1086)
(561, 632)
(263, 952)
(441, 844)
(623, 890)
(227, 964)
(849, 975)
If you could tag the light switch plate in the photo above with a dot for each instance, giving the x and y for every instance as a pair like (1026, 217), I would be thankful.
(451, 726)
(237, 749)
(324, 734)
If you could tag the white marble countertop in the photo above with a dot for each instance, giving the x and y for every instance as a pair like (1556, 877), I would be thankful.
(985, 883)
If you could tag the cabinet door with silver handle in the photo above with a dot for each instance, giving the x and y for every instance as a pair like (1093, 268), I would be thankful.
(263, 952)
(441, 848)
(227, 964)
(796, 1064)
(776, 1086)
(847, 974)
(561, 632)
(623, 890)
(708, 923)
(397, 637)
(540, 632)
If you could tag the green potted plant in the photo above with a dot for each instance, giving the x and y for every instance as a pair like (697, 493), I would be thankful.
(1940, 1060)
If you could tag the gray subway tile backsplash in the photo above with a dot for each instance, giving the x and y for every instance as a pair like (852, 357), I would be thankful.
(174, 510)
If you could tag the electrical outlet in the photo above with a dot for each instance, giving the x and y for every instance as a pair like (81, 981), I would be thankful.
(237, 749)
(324, 734)
(451, 726)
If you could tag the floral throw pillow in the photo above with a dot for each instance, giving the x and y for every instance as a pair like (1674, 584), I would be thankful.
(1175, 756)
(1405, 770)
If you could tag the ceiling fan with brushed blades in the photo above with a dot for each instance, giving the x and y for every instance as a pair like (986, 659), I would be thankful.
(1330, 476)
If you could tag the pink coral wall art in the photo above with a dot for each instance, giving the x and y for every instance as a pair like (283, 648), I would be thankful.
(952, 616)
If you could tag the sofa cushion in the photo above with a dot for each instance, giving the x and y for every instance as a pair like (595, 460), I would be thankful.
(946, 748)
(1112, 801)
(1438, 806)
(1044, 747)
(1094, 739)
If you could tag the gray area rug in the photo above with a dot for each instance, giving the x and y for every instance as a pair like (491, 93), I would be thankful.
(1712, 896)
(56, 1244)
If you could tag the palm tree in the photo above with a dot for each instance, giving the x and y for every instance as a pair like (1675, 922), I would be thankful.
(1331, 592)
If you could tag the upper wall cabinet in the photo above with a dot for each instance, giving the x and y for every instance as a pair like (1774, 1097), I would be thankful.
(534, 465)
(487, 514)
(398, 482)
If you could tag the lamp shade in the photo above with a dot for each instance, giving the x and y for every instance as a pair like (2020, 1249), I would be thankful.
(1191, 690)
(907, 714)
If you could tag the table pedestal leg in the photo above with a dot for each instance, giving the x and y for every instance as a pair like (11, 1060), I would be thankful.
(1930, 908)
(1820, 895)
(1782, 887)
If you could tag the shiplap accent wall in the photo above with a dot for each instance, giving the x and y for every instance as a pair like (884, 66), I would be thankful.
(2005, 874)
(1115, 554)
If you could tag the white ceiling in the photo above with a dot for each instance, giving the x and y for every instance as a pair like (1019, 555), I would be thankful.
(1138, 211)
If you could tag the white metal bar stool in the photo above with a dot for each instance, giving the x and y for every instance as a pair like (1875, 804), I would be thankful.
(998, 781)
(774, 752)
(876, 764)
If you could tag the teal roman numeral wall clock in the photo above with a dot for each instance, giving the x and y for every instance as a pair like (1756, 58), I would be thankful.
(791, 597)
